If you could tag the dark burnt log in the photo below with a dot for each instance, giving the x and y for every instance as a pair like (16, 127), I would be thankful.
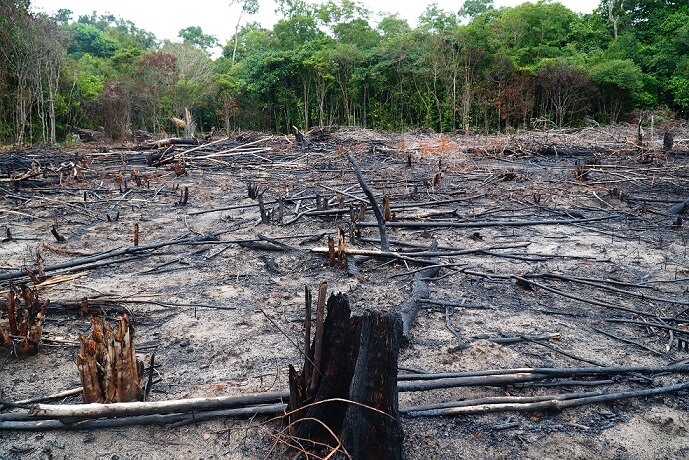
(354, 400)
(679, 208)
(419, 292)
(573, 151)
(176, 141)
(89, 135)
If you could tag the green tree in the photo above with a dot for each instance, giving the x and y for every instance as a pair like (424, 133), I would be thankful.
(195, 36)
(292, 33)
(472, 8)
(291, 8)
(434, 19)
(392, 25)
(679, 88)
(251, 37)
(63, 16)
(90, 39)
(130, 36)
(619, 81)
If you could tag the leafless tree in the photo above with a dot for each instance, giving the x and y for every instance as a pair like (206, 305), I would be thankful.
(564, 90)
(247, 7)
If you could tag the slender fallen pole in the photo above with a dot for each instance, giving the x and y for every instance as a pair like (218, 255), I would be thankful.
(484, 223)
(554, 403)
(155, 407)
(106, 255)
(554, 372)
(384, 244)
(159, 419)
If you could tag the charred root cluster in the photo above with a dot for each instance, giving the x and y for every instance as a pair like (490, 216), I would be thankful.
(21, 334)
(107, 363)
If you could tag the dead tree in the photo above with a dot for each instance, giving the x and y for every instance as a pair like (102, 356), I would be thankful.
(346, 394)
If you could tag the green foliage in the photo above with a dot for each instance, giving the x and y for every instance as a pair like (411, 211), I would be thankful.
(679, 87)
(618, 82)
(195, 36)
(434, 19)
(533, 32)
(89, 39)
(327, 63)
(250, 37)
(130, 36)
(358, 33)
(290, 34)
(63, 16)
(472, 8)
(391, 26)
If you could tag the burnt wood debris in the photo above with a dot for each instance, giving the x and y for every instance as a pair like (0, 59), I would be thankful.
(438, 242)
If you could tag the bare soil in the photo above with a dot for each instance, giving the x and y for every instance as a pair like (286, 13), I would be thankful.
(227, 319)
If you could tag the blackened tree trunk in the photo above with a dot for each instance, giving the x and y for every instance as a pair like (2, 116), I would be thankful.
(369, 434)
(354, 404)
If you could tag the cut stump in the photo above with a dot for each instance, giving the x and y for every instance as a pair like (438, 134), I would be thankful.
(107, 363)
(25, 318)
(354, 405)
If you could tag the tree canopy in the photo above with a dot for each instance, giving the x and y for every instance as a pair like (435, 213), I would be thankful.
(335, 62)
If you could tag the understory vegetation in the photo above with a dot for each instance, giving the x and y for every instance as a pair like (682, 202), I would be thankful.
(533, 65)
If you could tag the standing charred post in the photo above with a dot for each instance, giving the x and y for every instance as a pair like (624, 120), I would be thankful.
(354, 405)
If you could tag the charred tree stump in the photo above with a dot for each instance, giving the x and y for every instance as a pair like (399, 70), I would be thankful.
(668, 141)
(368, 434)
(349, 401)
(25, 319)
(107, 363)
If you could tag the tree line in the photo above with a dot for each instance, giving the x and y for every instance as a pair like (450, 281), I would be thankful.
(533, 65)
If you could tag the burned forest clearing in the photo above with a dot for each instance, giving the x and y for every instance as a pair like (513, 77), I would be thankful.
(541, 278)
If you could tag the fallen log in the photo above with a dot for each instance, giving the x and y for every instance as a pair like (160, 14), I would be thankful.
(419, 292)
(557, 402)
(455, 382)
(30, 424)
(410, 256)
(175, 141)
(128, 409)
(555, 372)
(106, 255)
(484, 224)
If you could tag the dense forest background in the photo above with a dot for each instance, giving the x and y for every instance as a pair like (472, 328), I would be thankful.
(534, 65)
